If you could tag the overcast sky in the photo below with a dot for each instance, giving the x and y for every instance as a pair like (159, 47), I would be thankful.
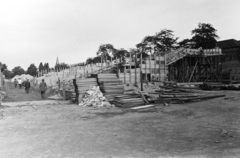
(34, 31)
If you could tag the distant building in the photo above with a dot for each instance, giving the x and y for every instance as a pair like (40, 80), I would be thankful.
(231, 59)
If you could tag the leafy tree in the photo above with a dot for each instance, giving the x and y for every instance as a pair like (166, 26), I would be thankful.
(121, 53)
(204, 36)
(46, 66)
(18, 71)
(40, 67)
(161, 41)
(8, 74)
(61, 66)
(3, 67)
(106, 51)
(89, 61)
(97, 59)
(185, 43)
(32, 70)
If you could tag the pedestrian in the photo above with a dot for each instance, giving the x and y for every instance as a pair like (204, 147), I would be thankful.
(43, 88)
(20, 83)
(15, 83)
(27, 86)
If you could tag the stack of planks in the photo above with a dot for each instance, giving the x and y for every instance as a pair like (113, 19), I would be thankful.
(130, 100)
(110, 85)
(176, 94)
(80, 87)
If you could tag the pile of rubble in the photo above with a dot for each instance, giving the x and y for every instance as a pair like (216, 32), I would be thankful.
(94, 98)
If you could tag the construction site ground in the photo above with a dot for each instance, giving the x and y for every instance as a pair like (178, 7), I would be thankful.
(55, 129)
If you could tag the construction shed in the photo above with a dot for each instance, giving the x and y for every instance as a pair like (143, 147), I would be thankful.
(194, 65)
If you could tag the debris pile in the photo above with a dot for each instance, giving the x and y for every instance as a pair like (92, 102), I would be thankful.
(94, 97)
(110, 85)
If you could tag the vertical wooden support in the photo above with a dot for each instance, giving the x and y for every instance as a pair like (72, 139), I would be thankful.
(1, 86)
(130, 73)
(165, 68)
(124, 74)
(155, 66)
(136, 69)
(145, 69)
(64, 94)
(150, 67)
(84, 73)
(141, 72)
(101, 62)
(159, 66)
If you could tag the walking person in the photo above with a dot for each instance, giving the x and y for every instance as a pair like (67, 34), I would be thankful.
(15, 83)
(20, 83)
(27, 86)
(43, 88)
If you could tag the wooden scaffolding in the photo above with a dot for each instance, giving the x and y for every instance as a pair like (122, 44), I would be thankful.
(196, 68)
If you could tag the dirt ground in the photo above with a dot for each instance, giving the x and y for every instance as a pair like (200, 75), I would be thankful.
(201, 129)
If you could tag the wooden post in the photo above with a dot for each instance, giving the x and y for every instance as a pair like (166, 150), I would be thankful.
(136, 69)
(101, 62)
(124, 74)
(0, 79)
(164, 67)
(159, 66)
(150, 67)
(130, 74)
(64, 94)
(145, 69)
(141, 72)
(155, 66)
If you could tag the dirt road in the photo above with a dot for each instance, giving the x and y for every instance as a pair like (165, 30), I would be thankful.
(202, 129)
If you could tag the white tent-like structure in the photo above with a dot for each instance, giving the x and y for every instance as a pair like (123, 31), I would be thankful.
(23, 77)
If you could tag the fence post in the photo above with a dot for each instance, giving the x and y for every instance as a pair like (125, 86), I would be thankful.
(164, 67)
(124, 74)
(136, 69)
(150, 67)
(64, 94)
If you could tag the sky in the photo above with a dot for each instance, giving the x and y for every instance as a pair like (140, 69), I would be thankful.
(34, 31)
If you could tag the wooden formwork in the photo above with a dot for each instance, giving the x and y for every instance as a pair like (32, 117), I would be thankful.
(196, 68)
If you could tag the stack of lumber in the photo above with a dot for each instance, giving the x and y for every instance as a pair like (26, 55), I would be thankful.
(110, 85)
(129, 100)
(219, 86)
(176, 94)
(81, 85)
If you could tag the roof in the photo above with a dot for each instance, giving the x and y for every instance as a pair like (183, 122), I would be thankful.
(230, 43)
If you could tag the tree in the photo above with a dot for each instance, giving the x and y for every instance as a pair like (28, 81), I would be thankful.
(204, 36)
(97, 59)
(185, 43)
(8, 74)
(46, 66)
(61, 66)
(32, 70)
(89, 61)
(106, 51)
(160, 42)
(18, 71)
(3, 67)
(121, 53)
(40, 67)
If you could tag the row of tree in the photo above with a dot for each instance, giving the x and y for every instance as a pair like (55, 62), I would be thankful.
(204, 36)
